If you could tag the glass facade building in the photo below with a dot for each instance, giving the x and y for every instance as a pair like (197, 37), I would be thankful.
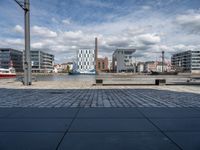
(188, 61)
(11, 58)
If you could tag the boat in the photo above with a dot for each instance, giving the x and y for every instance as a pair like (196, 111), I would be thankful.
(163, 73)
(76, 71)
(7, 73)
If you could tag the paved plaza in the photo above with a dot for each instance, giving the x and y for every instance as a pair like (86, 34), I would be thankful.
(102, 97)
(100, 118)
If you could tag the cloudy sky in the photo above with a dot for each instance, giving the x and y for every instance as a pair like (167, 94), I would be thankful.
(61, 27)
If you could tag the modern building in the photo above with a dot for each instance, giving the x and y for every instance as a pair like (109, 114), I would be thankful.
(123, 60)
(86, 61)
(188, 61)
(102, 64)
(11, 58)
(41, 61)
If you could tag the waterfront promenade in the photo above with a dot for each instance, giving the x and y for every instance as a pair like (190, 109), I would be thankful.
(78, 116)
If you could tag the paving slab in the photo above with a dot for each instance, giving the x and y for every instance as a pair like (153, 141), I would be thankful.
(168, 112)
(45, 113)
(110, 125)
(29, 141)
(34, 125)
(5, 112)
(109, 113)
(181, 124)
(186, 140)
(117, 141)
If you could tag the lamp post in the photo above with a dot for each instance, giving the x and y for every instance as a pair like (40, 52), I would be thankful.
(27, 61)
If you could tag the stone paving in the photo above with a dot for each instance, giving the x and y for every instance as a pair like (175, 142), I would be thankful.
(138, 128)
(100, 118)
(102, 97)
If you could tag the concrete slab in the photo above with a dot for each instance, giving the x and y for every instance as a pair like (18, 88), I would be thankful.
(5, 112)
(109, 113)
(117, 141)
(189, 124)
(166, 112)
(29, 141)
(186, 140)
(34, 125)
(45, 113)
(106, 125)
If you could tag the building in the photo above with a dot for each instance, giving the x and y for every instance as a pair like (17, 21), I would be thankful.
(102, 64)
(156, 66)
(67, 66)
(41, 62)
(57, 68)
(11, 58)
(86, 61)
(140, 67)
(123, 60)
(188, 61)
(166, 67)
(150, 66)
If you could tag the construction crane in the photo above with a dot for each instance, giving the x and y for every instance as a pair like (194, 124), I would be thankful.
(25, 5)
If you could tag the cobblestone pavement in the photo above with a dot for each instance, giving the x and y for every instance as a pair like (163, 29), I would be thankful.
(102, 97)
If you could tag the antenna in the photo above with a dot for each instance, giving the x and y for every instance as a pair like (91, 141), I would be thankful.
(25, 5)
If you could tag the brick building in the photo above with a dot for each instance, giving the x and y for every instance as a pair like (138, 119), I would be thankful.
(102, 64)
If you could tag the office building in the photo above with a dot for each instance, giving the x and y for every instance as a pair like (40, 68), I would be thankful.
(102, 64)
(86, 61)
(188, 61)
(11, 58)
(123, 60)
(41, 61)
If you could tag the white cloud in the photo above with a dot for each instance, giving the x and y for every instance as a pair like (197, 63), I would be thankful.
(54, 20)
(146, 7)
(190, 21)
(148, 39)
(66, 21)
(43, 32)
(147, 35)
(96, 3)
(18, 29)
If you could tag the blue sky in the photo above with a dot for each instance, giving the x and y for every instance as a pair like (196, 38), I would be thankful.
(63, 26)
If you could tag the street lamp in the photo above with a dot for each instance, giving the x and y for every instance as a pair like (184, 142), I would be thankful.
(27, 62)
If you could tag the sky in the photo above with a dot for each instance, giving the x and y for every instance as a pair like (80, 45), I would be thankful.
(61, 27)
